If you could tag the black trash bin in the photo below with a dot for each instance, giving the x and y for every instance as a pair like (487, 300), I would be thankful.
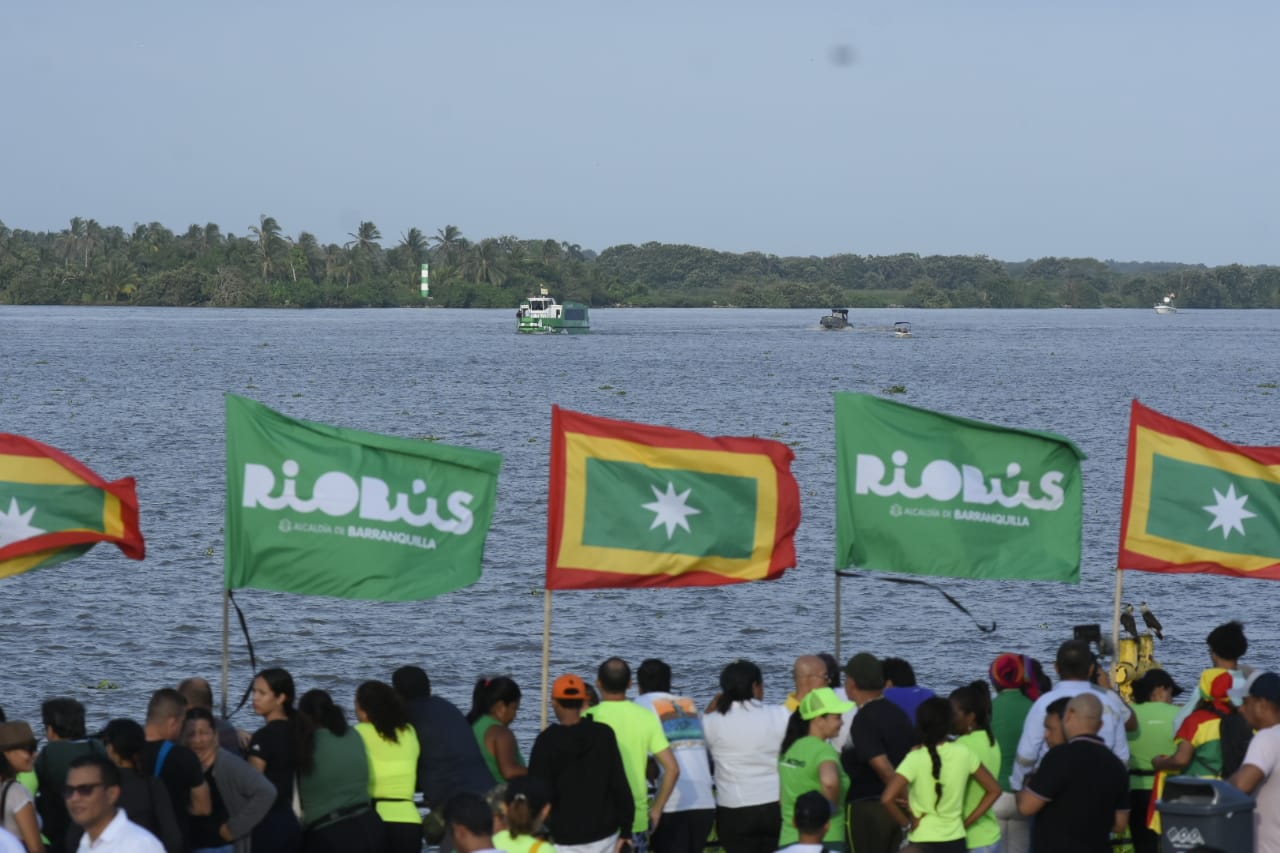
(1204, 814)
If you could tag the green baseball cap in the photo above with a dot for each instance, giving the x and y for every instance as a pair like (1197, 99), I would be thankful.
(822, 701)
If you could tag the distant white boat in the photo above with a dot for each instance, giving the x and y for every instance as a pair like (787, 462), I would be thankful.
(902, 329)
(1167, 306)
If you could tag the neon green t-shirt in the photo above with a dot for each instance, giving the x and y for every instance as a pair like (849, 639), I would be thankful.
(521, 844)
(393, 772)
(986, 831)
(1153, 737)
(798, 774)
(940, 820)
(639, 733)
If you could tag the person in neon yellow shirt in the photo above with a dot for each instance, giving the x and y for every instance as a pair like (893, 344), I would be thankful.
(392, 745)
(934, 775)
(639, 735)
(528, 803)
(971, 706)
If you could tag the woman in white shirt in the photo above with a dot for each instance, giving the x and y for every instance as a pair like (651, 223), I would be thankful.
(743, 735)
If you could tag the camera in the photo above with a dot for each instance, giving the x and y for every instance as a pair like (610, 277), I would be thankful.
(1092, 634)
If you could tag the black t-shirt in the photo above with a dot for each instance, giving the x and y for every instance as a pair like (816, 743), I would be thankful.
(273, 743)
(879, 728)
(180, 773)
(206, 829)
(1085, 785)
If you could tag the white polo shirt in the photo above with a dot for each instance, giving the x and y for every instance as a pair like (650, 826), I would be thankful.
(121, 836)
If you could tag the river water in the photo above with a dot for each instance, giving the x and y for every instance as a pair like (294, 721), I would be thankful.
(136, 391)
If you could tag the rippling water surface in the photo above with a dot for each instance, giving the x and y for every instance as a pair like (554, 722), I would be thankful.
(139, 392)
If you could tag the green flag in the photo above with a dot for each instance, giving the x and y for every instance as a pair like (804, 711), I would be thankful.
(320, 510)
(930, 494)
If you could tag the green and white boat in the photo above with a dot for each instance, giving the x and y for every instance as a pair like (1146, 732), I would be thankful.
(542, 315)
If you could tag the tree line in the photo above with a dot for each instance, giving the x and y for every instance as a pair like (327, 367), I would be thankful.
(91, 264)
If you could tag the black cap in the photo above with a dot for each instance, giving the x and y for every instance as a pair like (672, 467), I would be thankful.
(812, 811)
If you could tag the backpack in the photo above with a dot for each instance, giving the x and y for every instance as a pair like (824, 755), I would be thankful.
(1235, 734)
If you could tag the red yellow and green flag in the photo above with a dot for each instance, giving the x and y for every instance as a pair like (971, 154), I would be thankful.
(53, 508)
(1196, 503)
(634, 505)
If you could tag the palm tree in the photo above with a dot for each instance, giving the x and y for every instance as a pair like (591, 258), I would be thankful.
(269, 239)
(112, 277)
(447, 241)
(484, 263)
(212, 236)
(365, 238)
(414, 244)
(312, 251)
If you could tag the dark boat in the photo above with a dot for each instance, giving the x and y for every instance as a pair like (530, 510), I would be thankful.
(837, 319)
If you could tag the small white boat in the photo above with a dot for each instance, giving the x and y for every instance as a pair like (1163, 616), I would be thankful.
(902, 329)
(1167, 306)
(542, 315)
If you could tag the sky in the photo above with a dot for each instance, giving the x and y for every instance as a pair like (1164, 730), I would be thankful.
(1012, 128)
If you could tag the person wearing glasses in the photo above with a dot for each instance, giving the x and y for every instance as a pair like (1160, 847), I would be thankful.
(92, 792)
(17, 806)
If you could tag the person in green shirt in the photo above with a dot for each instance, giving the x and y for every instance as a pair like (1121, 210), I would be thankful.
(1153, 695)
(1019, 681)
(639, 735)
(391, 743)
(809, 763)
(934, 776)
(527, 804)
(971, 707)
(333, 780)
(495, 701)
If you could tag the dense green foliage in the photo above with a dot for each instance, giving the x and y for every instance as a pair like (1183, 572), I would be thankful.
(91, 264)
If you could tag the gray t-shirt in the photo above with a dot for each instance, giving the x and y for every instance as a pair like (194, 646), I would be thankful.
(16, 797)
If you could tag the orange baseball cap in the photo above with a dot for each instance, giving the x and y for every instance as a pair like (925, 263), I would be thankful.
(569, 687)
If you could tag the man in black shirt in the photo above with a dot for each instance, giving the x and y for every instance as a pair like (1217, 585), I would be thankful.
(449, 759)
(880, 737)
(1080, 792)
(175, 765)
(579, 759)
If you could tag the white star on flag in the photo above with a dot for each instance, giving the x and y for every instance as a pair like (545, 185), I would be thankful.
(670, 509)
(1229, 512)
(15, 525)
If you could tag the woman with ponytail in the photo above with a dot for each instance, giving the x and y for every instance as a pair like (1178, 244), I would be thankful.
(809, 763)
(934, 776)
(971, 706)
(494, 704)
(391, 744)
(333, 781)
(271, 752)
(527, 802)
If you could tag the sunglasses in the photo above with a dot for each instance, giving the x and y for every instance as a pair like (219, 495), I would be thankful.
(80, 790)
(25, 747)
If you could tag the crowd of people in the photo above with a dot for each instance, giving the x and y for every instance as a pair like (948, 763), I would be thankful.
(859, 758)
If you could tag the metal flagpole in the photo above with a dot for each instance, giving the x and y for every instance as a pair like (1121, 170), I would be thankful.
(546, 656)
(226, 640)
